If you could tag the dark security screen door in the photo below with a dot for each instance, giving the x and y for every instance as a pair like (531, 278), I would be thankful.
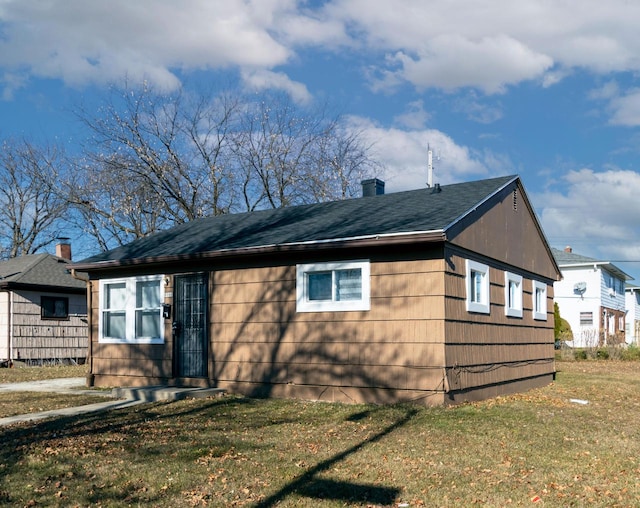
(190, 325)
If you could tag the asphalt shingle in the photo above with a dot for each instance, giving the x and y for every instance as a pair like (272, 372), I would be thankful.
(38, 270)
(421, 210)
(563, 257)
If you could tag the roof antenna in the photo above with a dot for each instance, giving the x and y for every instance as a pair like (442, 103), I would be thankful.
(430, 166)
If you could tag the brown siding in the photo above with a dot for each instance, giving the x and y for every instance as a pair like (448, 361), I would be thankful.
(417, 342)
(491, 350)
(132, 364)
(510, 234)
(258, 341)
(392, 352)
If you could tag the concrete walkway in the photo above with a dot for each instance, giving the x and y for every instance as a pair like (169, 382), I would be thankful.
(73, 385)
(119, 397)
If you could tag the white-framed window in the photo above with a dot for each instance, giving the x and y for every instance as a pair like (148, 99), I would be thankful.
(512, 294)
(337, 286)
(477, 287)
(131, 310)
(539, 300)
(586, 318)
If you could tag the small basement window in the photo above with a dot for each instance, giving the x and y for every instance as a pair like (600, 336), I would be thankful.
(338, 286)
(477, 287)
(54, 307)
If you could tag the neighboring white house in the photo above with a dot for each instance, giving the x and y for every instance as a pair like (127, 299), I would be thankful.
(632, 293)
(591, 297)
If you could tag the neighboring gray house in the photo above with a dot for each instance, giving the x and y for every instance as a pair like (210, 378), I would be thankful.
(43, 310)
(591, 297)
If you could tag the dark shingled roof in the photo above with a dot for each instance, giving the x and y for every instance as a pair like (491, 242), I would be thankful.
(424, 210)
(38, 270)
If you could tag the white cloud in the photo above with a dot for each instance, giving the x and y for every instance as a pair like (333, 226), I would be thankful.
(491, 63)
(262, 79)
(491, 45)
(485, 45)
(554, 77)
(12, 82)
(594, 212)
(404, 155)
(602, 52)
(476, 110)
(623, 106)
(82, 42)
(607, 91)
(626, 109)
(415, 117)
(313, 28)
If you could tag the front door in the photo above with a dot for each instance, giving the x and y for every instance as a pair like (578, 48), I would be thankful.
(190, 325)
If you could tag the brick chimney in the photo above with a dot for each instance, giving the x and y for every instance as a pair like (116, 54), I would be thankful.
(63, 249)
(372, 187)
(568, 249)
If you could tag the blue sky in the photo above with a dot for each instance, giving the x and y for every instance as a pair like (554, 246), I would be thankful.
(544, 89)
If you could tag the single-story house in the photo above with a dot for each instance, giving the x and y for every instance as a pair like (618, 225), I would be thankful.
(438, 295)
(43, 310)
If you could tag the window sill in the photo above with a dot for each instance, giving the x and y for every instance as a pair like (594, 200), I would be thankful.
(110, 340)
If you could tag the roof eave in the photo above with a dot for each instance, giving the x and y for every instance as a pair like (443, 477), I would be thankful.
(23, 286)
(605, 264)
(393, 239)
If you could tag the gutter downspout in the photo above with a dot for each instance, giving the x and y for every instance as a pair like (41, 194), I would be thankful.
(90, 375)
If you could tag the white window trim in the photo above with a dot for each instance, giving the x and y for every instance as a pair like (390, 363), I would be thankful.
(541, 313)
(516, 309)
(483, 306)
(130, 311)
(303, 304)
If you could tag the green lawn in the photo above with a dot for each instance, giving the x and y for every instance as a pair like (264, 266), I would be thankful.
(539, 448)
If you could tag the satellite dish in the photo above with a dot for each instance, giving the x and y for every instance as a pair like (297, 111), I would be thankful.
(580, 287)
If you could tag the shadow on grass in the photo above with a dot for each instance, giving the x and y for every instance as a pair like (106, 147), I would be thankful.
(310, 486)
(17, 440)
(346, 491)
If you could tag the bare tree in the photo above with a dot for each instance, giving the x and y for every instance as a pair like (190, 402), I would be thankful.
(289, 155)
(171, 143)
(159, 160)
(30, 214)
(275, 148)
(343, 161)
(112, 205)
(209, 126)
